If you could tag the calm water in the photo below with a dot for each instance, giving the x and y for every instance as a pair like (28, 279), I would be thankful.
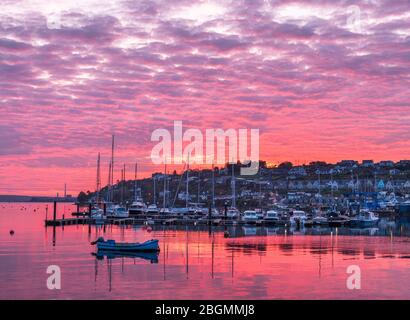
(199, 263)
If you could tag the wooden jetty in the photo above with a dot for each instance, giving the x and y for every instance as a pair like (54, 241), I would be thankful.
(68, 221)
(156, 220)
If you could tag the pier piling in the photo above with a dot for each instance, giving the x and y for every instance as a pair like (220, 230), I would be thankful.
(55, 211)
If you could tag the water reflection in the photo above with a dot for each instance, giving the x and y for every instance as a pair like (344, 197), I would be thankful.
(385, 228)
(149, 256)
(199, 262)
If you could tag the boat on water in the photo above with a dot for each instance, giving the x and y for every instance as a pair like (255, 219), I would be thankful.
(117, 211)
(152, 209)
(138, 207)
(404, 209)
(298, 217)
(96, 211)
(109, 208)
(215, 212)
(335, 219)
(180, 211)
(112, 245)
(250, 216)
(364, 219)
(232, 213)
(98, 215)
(272, 216)
(320, 220)
(164, 211)
(259, 214)
(276, 217)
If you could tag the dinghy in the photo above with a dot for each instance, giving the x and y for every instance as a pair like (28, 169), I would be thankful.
(111, 245)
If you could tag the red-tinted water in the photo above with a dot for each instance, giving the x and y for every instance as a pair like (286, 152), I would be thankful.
(195, 264)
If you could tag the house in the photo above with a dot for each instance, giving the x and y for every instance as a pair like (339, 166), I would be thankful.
(394, 172)
(298, 171)
(367, 163)
(386, 164)
(348, 163)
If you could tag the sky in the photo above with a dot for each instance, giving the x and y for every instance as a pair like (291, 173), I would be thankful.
(321, 80)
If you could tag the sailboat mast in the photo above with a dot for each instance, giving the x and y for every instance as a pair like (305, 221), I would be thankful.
(98, 179)
(135, 181)
(112, 168)
(233, 188)
(109, 184)
(122, 188)
(260, 191)
(199, 185)
(155, 191)
(213, 186)
(331, 181)
(165, 181)
(187, 184)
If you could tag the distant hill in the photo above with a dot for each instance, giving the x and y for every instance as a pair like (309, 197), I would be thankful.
(18, 198)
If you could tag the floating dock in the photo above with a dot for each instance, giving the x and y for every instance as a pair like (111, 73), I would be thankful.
(157, 220)
(68, 221)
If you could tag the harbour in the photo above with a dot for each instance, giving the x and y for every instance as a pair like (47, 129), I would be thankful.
(205, 150)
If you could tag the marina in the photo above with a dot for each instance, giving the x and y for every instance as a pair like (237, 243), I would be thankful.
(205, 150)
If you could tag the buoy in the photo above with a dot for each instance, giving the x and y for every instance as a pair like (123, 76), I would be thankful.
(11, 232)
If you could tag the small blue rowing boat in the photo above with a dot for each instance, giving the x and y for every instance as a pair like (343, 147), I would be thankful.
(111, 245)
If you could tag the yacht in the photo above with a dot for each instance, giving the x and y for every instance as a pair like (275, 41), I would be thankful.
(233, 213)
(215, 212)
(250, 216)
(96, 211)
(117, 211)
(364, 219)
(137, 207)
(120, 212)
(205, 212)
(320, 220)
(98, 215)
(298, 217)
(165, 211)
(276, 217)
(180, 211)
(259, 214)
(152, 209)
(272, 216)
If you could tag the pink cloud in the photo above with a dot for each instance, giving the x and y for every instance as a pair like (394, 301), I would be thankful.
(315, 88)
